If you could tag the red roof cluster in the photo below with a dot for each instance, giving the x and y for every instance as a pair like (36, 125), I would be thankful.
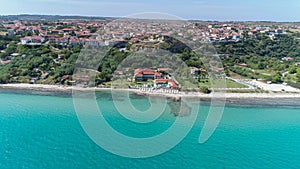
(141, 72)
(65, 77)
(174, 85)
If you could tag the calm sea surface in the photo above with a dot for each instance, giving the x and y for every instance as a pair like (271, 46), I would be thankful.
(43, 132)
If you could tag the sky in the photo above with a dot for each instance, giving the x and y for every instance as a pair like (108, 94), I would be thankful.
(216, 10)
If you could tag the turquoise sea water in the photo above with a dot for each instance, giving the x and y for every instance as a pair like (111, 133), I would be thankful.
(43, 132)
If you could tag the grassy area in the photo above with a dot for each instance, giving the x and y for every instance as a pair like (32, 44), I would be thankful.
(236, 76)
(232, 84)
(229, 83)
(265, 72)
(290, 78)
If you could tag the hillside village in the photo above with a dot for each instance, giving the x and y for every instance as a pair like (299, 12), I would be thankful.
(59, 42)
(79, 32)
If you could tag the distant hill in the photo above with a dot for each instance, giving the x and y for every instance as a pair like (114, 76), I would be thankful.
(51, 17)
(97, 18)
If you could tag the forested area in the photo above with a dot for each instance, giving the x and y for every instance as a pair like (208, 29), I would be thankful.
(262, 58)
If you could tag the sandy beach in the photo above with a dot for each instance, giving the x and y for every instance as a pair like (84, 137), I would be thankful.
(57, 88)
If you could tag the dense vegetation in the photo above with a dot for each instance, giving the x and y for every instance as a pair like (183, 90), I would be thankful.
(33, 61)
(261, 56)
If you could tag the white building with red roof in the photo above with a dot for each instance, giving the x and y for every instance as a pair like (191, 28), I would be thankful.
(146, 74)
(32, 39)
(166, 83)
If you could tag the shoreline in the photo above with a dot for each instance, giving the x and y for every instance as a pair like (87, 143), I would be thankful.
(69, 89)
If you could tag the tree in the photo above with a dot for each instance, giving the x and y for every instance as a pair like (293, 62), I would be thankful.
(293, 69)
(298, 75)
(11, 48)
(277, 78)
(93, 30)
(204, 89)
(4, 78)
(128, 46)
(185, 54)
(260, 65)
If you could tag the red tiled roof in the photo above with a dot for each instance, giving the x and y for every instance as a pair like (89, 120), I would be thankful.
(139, 75)
(83, 78)
(220, 69)
(157, 74)
(173, 83)
(203, 70)
(134, 40)
(74, 40)
(137, 70)
(145, 71)
(148, 72)
(65, 76)
(243, 64)
(161, 80)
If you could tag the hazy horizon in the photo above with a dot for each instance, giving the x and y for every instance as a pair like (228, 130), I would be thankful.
(102, 16)
(207, 10)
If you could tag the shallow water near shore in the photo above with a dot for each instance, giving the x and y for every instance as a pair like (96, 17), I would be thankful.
(42, 131)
